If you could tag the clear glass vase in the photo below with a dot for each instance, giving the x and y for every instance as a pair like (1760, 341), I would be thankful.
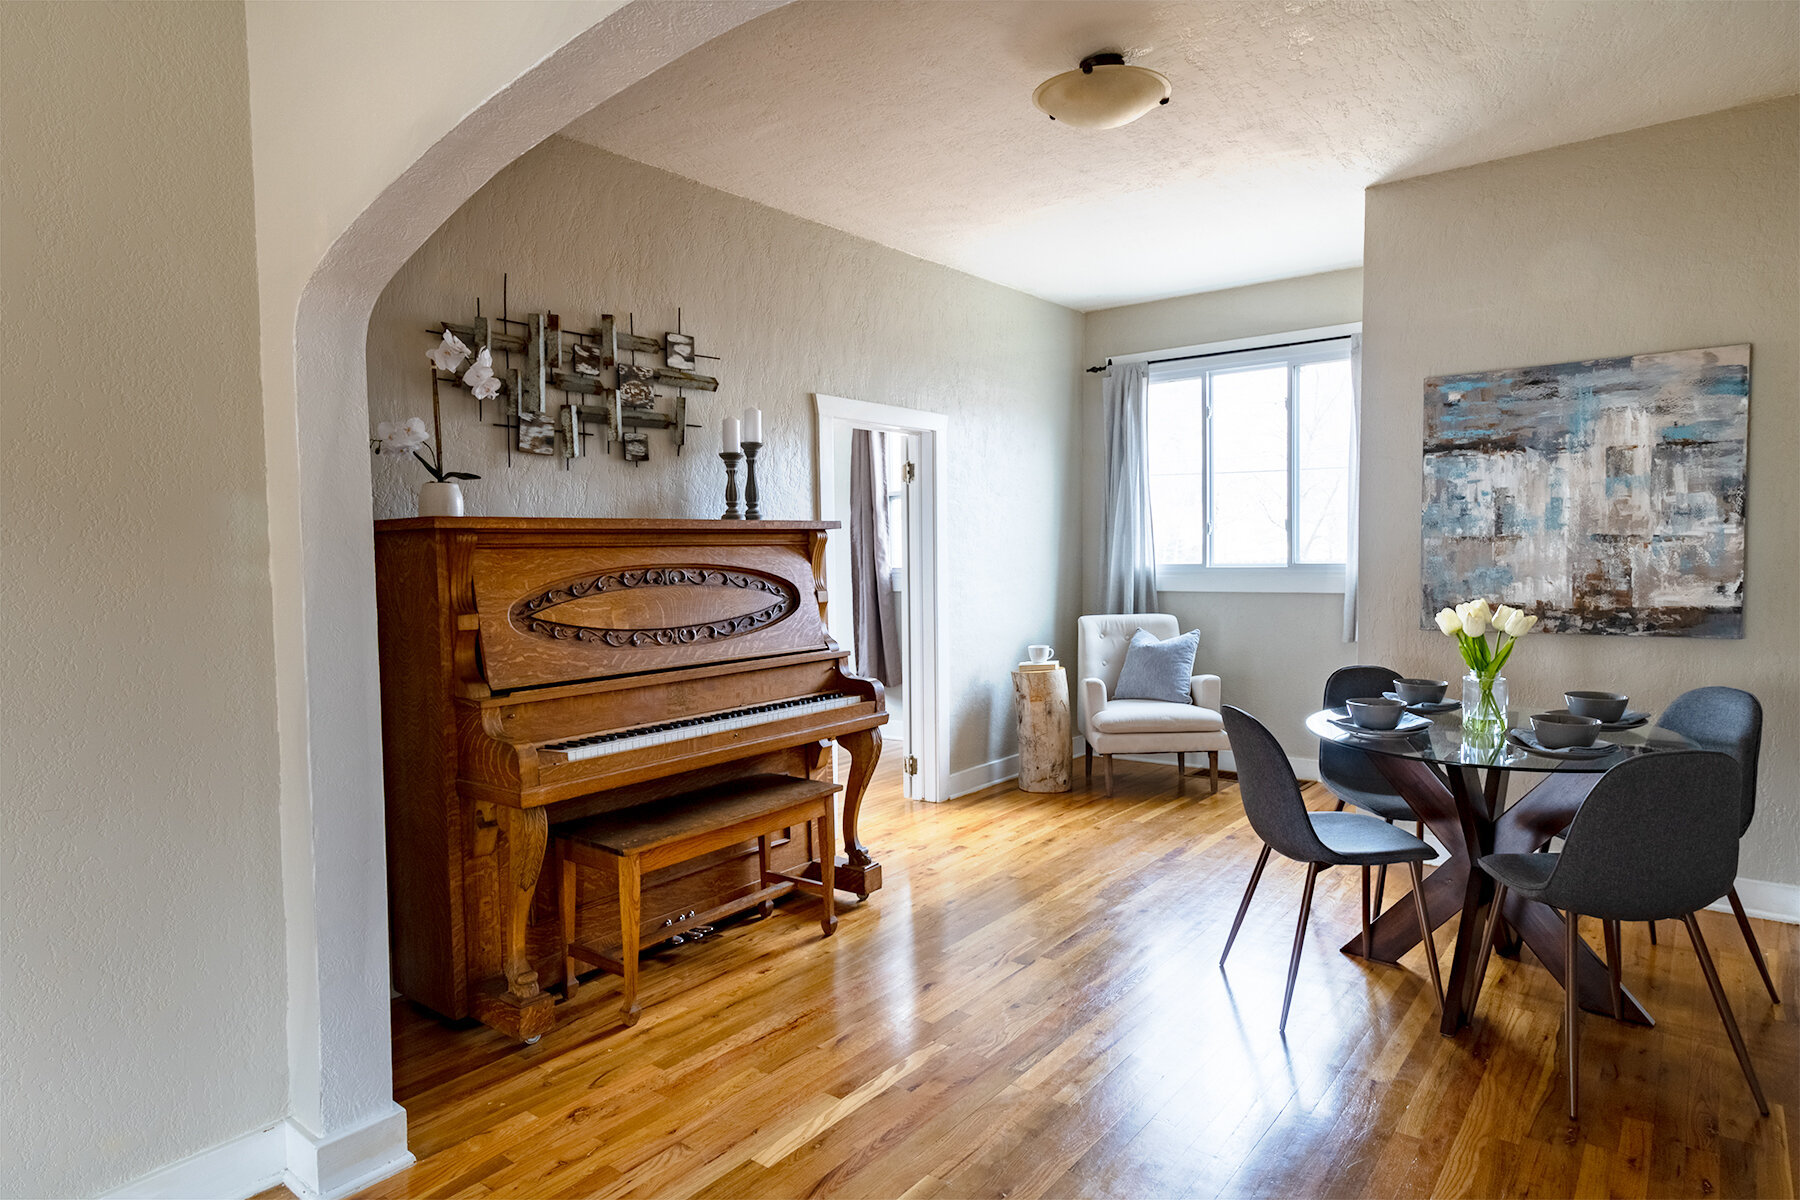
(1483, 710)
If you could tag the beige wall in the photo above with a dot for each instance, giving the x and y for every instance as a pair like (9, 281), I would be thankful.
(1272, 650)
(1681, 235)
(143, 992)
(791, 308)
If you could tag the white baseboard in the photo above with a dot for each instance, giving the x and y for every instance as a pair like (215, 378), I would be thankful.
(1770, 901)
(986, 775)
(312, 1168)
(232, 1170)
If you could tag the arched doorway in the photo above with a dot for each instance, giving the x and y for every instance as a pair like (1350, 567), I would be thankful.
(334, 878)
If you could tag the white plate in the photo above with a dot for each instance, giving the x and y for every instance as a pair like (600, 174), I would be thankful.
(1525, 741)
(1409, 725)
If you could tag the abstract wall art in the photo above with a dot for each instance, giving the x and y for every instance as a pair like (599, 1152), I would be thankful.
(1604, 496)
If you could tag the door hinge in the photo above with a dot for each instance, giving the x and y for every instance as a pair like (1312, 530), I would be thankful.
(908, 473)
(911, 765)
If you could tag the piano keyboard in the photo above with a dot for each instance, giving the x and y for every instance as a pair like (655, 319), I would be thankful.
(620, 741)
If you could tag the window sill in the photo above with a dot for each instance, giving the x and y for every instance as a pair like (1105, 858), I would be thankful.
(1250, 579)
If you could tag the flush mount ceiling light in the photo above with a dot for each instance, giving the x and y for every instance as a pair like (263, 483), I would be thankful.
(1103, 94)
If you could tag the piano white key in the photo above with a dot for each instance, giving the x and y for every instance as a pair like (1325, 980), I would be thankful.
(700, 727)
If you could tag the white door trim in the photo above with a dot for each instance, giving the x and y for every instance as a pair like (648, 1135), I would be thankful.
(927, 562)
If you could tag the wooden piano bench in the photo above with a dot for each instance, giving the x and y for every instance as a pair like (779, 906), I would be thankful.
(634, 841)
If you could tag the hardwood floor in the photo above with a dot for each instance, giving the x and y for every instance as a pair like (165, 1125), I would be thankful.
(1033, 1006)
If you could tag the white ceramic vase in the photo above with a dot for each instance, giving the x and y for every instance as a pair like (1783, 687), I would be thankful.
(440, 499)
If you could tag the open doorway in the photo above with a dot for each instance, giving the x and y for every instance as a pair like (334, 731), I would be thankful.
(879, 472)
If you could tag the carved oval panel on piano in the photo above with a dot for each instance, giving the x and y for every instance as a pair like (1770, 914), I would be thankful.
(657, 606)
(556, 615)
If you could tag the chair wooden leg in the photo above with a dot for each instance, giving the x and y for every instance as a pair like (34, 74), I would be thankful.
(1613, 969)
(1572, 1006)
(1724, 1007)
(1106, 761)
(1431, 960)
(1212, 770)
(1652, 925)
(1381, 885)
(767, 907)
(1339, 807)
(1262, 860)
(1365, 911)
(1287, 999)
(1743, 920)
(1487, 945)
(565, 881)
(1089, 746)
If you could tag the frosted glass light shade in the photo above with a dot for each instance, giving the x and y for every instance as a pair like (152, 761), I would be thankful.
(1104, 93)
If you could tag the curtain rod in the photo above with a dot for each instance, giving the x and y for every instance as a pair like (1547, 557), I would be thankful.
(1336, 337)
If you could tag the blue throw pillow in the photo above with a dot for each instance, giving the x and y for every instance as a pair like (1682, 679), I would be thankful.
(1158, 670)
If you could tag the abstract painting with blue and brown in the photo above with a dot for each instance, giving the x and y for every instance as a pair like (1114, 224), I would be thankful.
(1604, 496)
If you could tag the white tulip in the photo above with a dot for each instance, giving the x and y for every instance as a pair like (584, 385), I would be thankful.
(1449, 622)
(1503, 616)
(1520, 625)
(1475, 617)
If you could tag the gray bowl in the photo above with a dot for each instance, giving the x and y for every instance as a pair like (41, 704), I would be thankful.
(1561, 730)
(1421, 691)
(1375, 712)
(1603, 706)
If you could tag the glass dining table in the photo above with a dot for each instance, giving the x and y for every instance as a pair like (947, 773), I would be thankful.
(1458, 787)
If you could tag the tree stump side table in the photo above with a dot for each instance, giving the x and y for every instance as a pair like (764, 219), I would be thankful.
(1041, 695)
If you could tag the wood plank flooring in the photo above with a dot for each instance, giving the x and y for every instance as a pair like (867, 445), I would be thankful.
(1033, 1006)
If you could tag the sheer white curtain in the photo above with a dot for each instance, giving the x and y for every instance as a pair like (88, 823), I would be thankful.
(1355, 487)
(1128, 555)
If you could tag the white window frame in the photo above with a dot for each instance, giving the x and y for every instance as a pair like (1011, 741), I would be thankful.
(1186, 362)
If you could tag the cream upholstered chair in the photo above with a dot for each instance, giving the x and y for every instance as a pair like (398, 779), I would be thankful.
(1142, 726)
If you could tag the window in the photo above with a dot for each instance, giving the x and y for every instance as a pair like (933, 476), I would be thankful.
(1250, 468)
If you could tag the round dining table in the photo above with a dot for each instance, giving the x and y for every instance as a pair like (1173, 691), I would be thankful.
(1458, 788)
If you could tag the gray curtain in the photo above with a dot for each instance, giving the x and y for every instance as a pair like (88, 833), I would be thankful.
(871, 578)
(1128, 553)
(1355, 489)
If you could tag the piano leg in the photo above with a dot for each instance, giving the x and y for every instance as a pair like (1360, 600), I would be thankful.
(859, 872)
(520, 1007)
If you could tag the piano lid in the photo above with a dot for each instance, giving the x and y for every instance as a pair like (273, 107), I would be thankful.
(554, 614)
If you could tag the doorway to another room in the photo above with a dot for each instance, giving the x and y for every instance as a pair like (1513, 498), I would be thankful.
(879, 472)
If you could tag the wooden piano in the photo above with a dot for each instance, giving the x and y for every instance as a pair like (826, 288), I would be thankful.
(540, 670)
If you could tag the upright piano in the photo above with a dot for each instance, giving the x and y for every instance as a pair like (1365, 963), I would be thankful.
(543, 670)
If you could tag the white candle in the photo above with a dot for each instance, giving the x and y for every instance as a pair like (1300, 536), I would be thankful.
(753, 425)
(730, 434)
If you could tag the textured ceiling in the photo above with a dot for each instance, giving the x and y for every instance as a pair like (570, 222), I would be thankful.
(909, 122)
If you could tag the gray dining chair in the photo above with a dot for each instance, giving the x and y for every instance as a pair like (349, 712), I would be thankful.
(1730, 721)
(1350, 773)
(1656, 838)
(1279, 815)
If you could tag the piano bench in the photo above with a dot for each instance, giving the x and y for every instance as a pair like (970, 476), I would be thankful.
(634, 841)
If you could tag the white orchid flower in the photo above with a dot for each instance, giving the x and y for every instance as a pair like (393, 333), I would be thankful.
(1449, 622)
(402, 438)
(449, 354)
(480, 377)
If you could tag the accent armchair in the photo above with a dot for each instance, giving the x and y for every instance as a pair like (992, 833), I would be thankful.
(1113, 726)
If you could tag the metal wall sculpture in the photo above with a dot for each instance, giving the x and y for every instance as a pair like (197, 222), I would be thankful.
(606, 391)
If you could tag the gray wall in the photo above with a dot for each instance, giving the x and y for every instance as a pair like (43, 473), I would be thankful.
(1271, 650)
(143, 992)
(792, 308)
(1677, 236)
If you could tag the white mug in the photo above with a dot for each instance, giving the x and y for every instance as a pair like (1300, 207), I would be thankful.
(1041, 653)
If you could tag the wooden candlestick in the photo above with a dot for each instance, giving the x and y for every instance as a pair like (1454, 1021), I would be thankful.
(751, 512)
(731, 493)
